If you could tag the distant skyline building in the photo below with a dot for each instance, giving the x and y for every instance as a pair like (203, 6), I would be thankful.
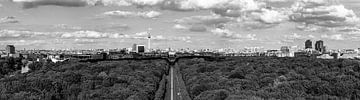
(285, 49)
(319, 46)
(308, 44)
(138, 48)
(10, 49)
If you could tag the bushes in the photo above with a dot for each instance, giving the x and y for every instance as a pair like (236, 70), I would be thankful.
(272, 78)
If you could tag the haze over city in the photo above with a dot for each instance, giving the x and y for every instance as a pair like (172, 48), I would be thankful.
(88, 24)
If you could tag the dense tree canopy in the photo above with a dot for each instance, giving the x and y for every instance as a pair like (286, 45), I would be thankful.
(118, 80)
(259, 78)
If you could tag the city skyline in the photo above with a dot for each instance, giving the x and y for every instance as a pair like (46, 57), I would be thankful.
(92, 24)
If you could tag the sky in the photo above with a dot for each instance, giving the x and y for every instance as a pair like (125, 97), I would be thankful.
(197, 24)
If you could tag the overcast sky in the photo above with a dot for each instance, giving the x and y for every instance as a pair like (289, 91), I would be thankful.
(86, 24)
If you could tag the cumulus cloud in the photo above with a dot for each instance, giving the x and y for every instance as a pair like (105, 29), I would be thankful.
(146, 14)
(180, 27)
(296, 36)
(22, 42)
(9, 19)
(198, 28)
(291, 38)
(191, 28)
(75, 34)
(65, 26)
(89, 34)
(85, 36)
(270, 16)
(82, 3)
(333, 37)
(144, 36)
(36, 3)
(225, 33)
(21, 34)
(84, 41)
(204, 20)
(323, 13)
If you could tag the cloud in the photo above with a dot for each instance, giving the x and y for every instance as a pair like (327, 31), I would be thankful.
(85, 41)
(350, 29)
(191, 28)
(323, 13)
(81, 3)
(224, 4)
(67, 3)
(295, 36)
(291, 38)
(74, 34)
(21, 34)
(9, 19)
(225, 33)
(89, 34)
(203, 20)
(180, 27)
(333, 37)
(277, 0)
(165, 4)
(270, 16)
(22, 42)
(198, 28)
(146, 14)
(144, 36)
(65, 26)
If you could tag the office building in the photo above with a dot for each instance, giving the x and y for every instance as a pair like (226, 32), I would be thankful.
(308, 44)
(319, 46)
(10, 49)
(134, 48)
(138, 48)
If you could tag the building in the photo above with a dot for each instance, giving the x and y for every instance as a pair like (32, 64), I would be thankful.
(319, 46)
(308, 44)
(138, 48)
(134, 48)
(285, 51)
(10, 49)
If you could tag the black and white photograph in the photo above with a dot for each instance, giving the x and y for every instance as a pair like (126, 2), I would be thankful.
(179, 49)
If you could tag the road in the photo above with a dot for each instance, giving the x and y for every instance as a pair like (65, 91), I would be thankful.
(177, 90)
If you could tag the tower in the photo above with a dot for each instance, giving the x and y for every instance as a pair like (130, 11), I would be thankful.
(10, 49)
(308, 44)
(149, 41)
(319, 46)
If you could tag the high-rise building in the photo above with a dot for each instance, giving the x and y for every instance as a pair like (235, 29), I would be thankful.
(10, 49)
(134, 48)
(138, 48)
(319, 46)
(308, 44)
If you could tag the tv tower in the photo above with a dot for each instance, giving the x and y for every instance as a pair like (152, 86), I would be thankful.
(149, 39)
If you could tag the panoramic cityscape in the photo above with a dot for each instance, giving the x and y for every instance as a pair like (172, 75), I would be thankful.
(179, 50)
